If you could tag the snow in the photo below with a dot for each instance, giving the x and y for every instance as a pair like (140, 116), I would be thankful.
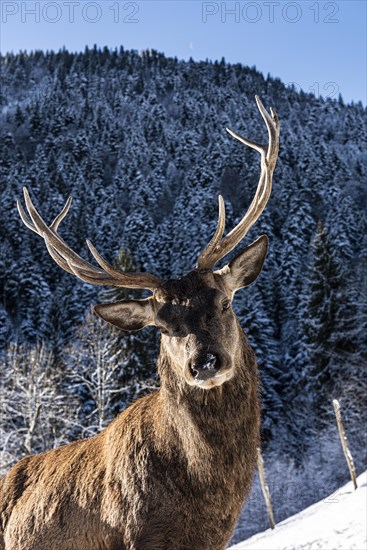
(336, 523)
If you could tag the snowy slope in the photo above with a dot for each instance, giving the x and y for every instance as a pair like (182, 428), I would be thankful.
(336, 523)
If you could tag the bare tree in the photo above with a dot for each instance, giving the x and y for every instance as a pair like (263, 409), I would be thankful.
(35, 413)
(97, 371)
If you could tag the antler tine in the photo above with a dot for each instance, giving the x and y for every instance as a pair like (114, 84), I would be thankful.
(218, 248)
(55, 224)
(71, 262)
(252, 144)
(55, 240)
(219, 230)
(25, 219)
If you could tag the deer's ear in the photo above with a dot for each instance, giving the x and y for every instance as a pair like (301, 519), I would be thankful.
(247, 265)
(129, 315)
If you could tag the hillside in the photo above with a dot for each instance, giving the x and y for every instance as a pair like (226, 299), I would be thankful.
(336, 523)
(139, 141)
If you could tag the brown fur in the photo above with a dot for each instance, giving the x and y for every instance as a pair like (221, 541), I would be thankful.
(169, 473)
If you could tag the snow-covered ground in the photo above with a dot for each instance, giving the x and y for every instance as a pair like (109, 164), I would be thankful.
(339, 522)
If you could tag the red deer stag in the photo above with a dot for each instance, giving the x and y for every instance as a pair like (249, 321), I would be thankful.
(173, 470)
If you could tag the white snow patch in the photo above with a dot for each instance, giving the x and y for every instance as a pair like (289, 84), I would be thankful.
(339, 522)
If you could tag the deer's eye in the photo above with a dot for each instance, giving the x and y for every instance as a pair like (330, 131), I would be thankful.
(226, 304)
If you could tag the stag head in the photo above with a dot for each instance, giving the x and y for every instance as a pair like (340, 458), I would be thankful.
(200, 331)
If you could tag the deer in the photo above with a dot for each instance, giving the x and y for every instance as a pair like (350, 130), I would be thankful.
(172, 471)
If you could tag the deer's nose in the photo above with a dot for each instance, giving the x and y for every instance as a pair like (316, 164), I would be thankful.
(205, 366)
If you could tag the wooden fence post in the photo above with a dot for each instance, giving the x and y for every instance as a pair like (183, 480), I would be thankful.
(343, 439)
(264, 487)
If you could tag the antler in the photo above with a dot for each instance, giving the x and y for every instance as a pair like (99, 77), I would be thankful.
(218, 247)
(71, 262)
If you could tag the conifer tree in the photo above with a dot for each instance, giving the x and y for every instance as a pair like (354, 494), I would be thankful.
(329, 324)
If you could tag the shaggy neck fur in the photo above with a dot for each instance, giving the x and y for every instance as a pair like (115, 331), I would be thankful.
(207, 421)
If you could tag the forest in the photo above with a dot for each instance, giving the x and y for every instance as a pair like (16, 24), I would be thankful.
(138, 139)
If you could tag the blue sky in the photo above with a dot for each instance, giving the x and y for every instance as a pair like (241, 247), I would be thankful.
(320, 46)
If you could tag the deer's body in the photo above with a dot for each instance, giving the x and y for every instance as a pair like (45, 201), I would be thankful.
(172, 471)
(120, 489)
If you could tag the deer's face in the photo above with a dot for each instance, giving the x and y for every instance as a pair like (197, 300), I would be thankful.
(200, 331)
(199, 328)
